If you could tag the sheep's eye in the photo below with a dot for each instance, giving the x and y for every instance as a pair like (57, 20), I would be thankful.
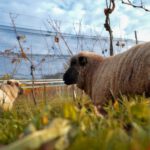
(73, 62)
(82, 60)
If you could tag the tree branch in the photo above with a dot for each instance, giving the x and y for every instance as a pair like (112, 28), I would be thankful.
(128, 2)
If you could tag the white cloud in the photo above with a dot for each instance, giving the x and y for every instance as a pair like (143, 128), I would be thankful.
(124, 19)
(58, 11)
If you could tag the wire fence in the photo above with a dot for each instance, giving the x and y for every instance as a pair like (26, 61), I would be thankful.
(43, 48)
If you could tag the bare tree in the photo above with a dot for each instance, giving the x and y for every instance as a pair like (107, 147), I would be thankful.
(137, 4)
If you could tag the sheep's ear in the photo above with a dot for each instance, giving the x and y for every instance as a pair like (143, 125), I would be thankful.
(17, 84)
(9, 82)
(82, 60)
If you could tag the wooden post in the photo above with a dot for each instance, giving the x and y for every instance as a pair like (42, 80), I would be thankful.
(136, 39)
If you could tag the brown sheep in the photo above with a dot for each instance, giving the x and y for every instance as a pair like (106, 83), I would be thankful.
(101, 78)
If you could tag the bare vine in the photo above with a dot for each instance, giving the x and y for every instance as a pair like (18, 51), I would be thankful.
(24, 56)
(130, 3)
(107, 11)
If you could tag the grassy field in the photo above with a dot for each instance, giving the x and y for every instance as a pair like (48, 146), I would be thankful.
(62, 123)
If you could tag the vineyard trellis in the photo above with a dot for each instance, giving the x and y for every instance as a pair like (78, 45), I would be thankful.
(56, 43)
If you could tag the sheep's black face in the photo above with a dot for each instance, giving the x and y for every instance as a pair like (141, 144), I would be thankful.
(72, 74)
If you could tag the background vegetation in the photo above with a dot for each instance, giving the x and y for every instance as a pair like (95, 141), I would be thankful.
(63, 123)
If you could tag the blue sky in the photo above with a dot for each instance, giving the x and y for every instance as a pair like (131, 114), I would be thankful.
(124, 20)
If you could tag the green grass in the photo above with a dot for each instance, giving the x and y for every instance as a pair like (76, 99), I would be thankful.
(126, 127)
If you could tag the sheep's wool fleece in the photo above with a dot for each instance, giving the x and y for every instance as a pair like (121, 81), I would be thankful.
(126, 73)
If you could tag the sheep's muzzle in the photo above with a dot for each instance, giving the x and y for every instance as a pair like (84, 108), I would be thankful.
(71, 76)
